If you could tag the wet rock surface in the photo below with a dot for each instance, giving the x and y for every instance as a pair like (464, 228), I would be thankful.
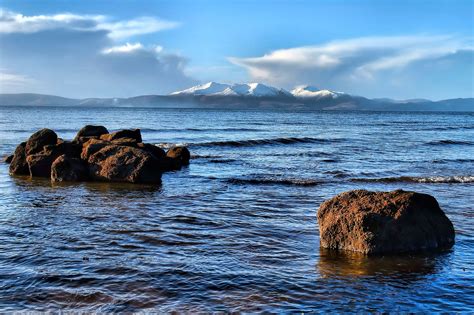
(384, 222)
(95, 154)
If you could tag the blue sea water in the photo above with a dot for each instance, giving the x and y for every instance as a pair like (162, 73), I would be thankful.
(237, 229)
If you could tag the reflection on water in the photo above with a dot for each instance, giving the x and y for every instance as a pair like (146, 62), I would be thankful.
(333, 263)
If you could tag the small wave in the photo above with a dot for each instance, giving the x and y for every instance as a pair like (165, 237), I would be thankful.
(414, 179)
(200, 129)
(450, 142)
(255, 142)
(441, 161)
(222, 161)
(274, 181)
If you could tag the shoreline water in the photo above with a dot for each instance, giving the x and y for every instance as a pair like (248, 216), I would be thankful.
(241, 233)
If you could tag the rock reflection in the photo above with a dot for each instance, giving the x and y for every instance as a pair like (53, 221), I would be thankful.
(409, 266)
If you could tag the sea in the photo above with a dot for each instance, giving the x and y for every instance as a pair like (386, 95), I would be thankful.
(236, 230)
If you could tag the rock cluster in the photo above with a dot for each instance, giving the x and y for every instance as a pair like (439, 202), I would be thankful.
(95, 155)
(384, 222)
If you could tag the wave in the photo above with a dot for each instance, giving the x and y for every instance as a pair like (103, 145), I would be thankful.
(199, 129)
(256, 142)
(274, 181)
(415, 179)
(222, 161)
(450, 142)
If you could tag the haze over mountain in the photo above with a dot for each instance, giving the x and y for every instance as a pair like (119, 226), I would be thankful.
(248, 96)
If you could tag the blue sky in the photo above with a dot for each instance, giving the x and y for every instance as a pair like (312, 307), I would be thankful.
(398, 49)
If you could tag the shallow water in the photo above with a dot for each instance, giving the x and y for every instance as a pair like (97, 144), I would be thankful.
(236, 230)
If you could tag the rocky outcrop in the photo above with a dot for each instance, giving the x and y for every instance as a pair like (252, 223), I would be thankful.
(95, 154)
(66, 168)
(384, 222)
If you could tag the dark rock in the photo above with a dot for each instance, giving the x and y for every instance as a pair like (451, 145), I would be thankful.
(384, 222)
(92, 146)
(40, 163)
(180, 153)
(127, 133)
(69, 169)
(129, 142)
(157, 152)
(89, 131)
(18, 165)
(8, 159)
(124, 164)
(39, 139)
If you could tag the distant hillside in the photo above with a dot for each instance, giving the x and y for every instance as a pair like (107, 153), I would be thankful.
(247, 96)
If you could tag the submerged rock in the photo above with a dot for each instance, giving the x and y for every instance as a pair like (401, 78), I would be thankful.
(384, 222)
(69, 169)
(18, 165)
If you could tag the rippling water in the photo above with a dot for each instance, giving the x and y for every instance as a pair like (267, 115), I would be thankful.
(236, 230)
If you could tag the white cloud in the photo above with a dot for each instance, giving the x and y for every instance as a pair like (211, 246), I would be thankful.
(359, 58)
(11, 22)
(79, 56)
(12, 81)
(139, 26)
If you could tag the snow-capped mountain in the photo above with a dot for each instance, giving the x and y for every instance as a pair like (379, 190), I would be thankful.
(238, 89)
(256, 89)
(311, 91)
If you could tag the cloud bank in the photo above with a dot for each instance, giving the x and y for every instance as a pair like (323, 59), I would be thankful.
(86, 55)
(359, 65)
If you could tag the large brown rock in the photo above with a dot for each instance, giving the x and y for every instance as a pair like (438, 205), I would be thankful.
(180, 153)
(18, 165)
(127, 133)
(40, 163)
(40, 139)
(92, 146)
(90, 131)
(65, 168)
(384, 222)
(157, 152)
(124, 164)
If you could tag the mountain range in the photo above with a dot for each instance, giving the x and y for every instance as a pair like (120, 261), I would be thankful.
(248, 96)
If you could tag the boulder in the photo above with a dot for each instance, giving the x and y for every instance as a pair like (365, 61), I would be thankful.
(39, 139)
(18, 165)
(65, 168)
(90, 131)
(92, 146)
(384, 222)
(8, 159)
(179, 153)
(40, 163)
(157, 152)
(124, 164)
(129, 142)
(127, 133)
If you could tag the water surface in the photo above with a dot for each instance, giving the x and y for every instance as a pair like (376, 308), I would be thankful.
(237, 229)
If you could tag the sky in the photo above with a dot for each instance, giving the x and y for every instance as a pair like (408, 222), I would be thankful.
(95, 48)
